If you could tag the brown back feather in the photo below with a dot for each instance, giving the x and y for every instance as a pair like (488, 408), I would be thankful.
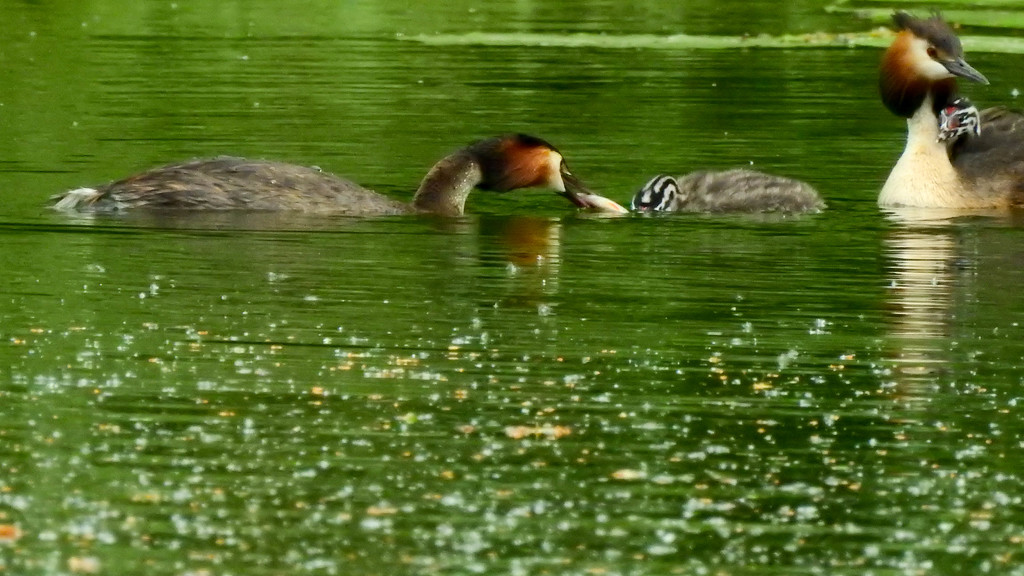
(998, 153)
(227, 183)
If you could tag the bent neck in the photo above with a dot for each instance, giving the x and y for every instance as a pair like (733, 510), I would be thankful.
(923, 176)
(445, 188)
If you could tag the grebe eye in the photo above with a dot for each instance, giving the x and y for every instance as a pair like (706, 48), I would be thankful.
(932, 52)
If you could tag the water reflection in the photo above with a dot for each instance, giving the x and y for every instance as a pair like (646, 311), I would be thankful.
(921, 285)
(928, 269)
(530, 248)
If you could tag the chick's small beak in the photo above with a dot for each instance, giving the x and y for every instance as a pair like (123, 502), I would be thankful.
(960, 67)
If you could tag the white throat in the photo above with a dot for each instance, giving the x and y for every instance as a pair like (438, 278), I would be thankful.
(923, 176)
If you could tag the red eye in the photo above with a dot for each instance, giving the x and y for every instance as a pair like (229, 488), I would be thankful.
(932, 52)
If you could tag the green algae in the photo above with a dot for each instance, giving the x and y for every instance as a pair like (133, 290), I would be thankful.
(1003, 15)
(999, 14)
(1000, 19)
(877, 38)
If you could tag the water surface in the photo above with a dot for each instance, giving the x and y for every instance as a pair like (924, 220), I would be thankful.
(525, 390)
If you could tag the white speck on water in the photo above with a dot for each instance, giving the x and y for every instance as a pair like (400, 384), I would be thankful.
(375, 524)
(660, 550)
(981, 524)
(787, 358)
(1015, 92)
(819, 327)
(970, 452)
(806, 513)
(311, 298)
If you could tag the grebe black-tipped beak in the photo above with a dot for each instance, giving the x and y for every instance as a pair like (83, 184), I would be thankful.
(574, 191)
(582, 197)
(959, 67)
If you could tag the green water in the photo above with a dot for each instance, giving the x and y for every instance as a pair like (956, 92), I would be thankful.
(525, 390)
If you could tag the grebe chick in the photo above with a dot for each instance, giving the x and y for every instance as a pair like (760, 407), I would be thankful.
(736, 190)
(917, 80)
(499, 164)
(959, 119)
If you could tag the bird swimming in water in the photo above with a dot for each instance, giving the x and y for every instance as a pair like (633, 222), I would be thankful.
(737, 190)
(498, 164)
(980, 167)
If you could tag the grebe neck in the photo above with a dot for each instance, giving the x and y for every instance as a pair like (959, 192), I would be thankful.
(923, 176)
(445, 188)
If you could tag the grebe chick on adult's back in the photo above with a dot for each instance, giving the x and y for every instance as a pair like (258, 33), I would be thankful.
(499, 164)
(737, 190)
(917, 80)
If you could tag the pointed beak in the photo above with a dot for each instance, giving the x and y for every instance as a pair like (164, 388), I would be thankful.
(961, 68)
(582, 197)
(574, 191)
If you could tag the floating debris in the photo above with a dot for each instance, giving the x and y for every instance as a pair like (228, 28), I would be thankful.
(628, 474)
(9, 533)
(547, 431)
(84, 564)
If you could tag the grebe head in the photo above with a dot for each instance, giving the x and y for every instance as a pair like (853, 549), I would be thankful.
(501, 164)
(522, 161)
(658, 194)
(925, 58)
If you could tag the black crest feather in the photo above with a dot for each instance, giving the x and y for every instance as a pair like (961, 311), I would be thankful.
(934, 29)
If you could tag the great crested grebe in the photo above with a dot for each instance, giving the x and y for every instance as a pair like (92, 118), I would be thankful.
(917, 81)
(499, 164)
(737, 190)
